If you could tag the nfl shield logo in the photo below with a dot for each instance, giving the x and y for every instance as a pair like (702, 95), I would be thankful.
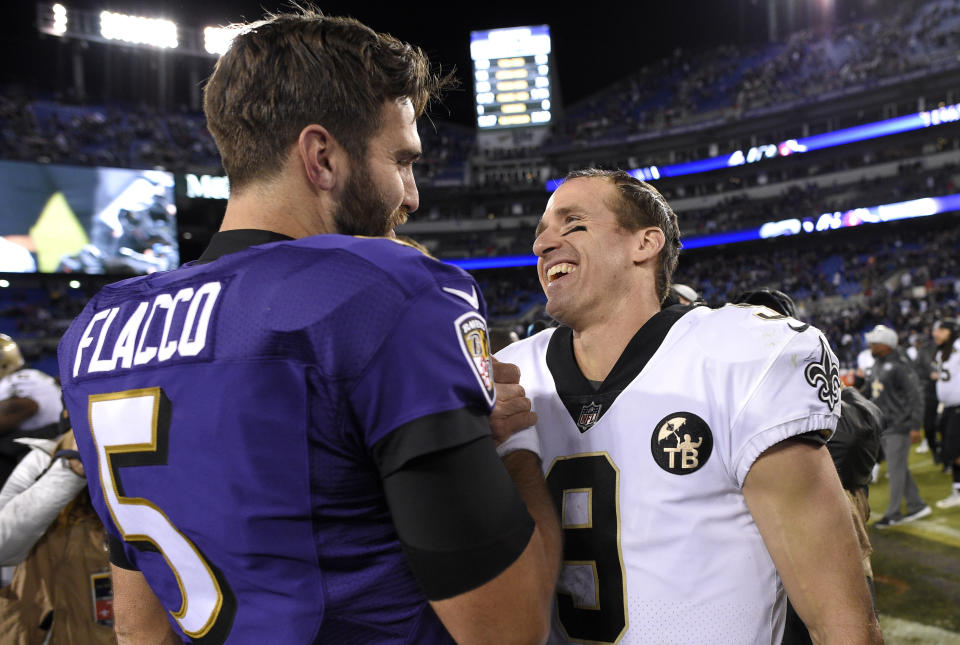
(588, 415)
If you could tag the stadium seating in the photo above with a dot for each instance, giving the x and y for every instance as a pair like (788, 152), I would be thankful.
(481, 201)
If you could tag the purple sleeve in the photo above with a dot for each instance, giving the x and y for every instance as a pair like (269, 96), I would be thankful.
(436, 358)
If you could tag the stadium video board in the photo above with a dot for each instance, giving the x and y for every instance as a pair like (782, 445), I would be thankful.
(74, 219)
(511, 76)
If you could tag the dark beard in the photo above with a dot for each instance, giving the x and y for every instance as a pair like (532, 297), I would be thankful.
(363, 211)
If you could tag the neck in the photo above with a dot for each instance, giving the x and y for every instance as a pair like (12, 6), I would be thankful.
(599, 345)
(278, 207)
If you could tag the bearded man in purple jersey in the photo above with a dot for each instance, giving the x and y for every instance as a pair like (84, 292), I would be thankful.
(289, 440)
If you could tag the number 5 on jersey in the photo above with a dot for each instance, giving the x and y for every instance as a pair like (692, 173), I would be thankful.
(132, 429)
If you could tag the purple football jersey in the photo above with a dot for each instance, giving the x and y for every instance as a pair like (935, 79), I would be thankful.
(225, 414)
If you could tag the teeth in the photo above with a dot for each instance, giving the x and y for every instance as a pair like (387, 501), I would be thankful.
(560, 269)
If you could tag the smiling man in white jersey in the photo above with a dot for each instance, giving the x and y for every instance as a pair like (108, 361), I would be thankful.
(683, 447)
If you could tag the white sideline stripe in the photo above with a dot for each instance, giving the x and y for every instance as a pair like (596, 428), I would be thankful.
(932, 530)
(897, 631)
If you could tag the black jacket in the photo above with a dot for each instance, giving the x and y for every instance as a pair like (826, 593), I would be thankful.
(893, 385)
(856, 443)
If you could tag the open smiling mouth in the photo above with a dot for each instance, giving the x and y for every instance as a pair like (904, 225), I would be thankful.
(558, 270)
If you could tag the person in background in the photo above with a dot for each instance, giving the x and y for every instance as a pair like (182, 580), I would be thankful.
(893, 386)
(923, 350)
(682, 295)
(61, 592)
(30, 405)
(946, 334)
(500, 337)
(865, 361)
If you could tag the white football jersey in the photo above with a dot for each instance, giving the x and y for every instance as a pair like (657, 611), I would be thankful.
(42, 388)
(948, 377)
(647, 470)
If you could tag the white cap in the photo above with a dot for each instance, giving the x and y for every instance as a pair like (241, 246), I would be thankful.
(684, 291)
(883, 335)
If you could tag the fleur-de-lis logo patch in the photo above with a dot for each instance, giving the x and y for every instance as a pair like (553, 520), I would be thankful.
(825, 376)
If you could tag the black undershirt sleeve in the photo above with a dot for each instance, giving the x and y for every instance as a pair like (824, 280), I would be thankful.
(457, 512)
(817, 437)
(117, 555)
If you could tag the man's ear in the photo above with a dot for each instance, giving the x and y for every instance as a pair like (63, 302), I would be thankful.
(321, 156)
(650, 242)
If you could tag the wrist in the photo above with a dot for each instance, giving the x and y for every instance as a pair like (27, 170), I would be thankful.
(77, 467)
(72, 459)
(526, 439)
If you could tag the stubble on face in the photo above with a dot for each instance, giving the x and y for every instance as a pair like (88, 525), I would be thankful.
(363, 209)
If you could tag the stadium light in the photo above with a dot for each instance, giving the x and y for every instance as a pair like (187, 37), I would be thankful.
(52, 19)
(138, 30)
(59, 19)
(509, 65)
(216, 40)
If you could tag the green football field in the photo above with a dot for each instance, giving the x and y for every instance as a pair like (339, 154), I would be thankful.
(917, 565)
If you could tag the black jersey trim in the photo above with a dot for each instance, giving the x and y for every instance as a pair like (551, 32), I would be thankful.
(460, 519)
(587, 405)
(118, 557)
(638, 352)
(432, 433)
(816, 437)
(226, 242)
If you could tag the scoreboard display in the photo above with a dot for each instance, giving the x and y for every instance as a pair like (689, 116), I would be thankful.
(511, 76)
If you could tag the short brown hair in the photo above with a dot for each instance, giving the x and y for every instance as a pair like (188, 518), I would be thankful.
(290, 70)
(641, 205)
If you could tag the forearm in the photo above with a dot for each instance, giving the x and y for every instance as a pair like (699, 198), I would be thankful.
(515, 606)
(524, 468)
(27, 516)
(164, 636)
(138, 615)
(831, 596)
(796, 499)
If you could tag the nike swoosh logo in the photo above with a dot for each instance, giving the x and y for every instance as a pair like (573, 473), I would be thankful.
(469, 297)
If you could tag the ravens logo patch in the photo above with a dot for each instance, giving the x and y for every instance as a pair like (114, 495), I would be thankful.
(475, 343)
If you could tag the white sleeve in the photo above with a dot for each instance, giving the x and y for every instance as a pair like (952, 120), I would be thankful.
(798, 393)
(527, 439)
(28, 506)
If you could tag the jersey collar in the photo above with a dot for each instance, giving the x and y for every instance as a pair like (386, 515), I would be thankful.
(585, 404)
(224, 242)
(567, 374)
